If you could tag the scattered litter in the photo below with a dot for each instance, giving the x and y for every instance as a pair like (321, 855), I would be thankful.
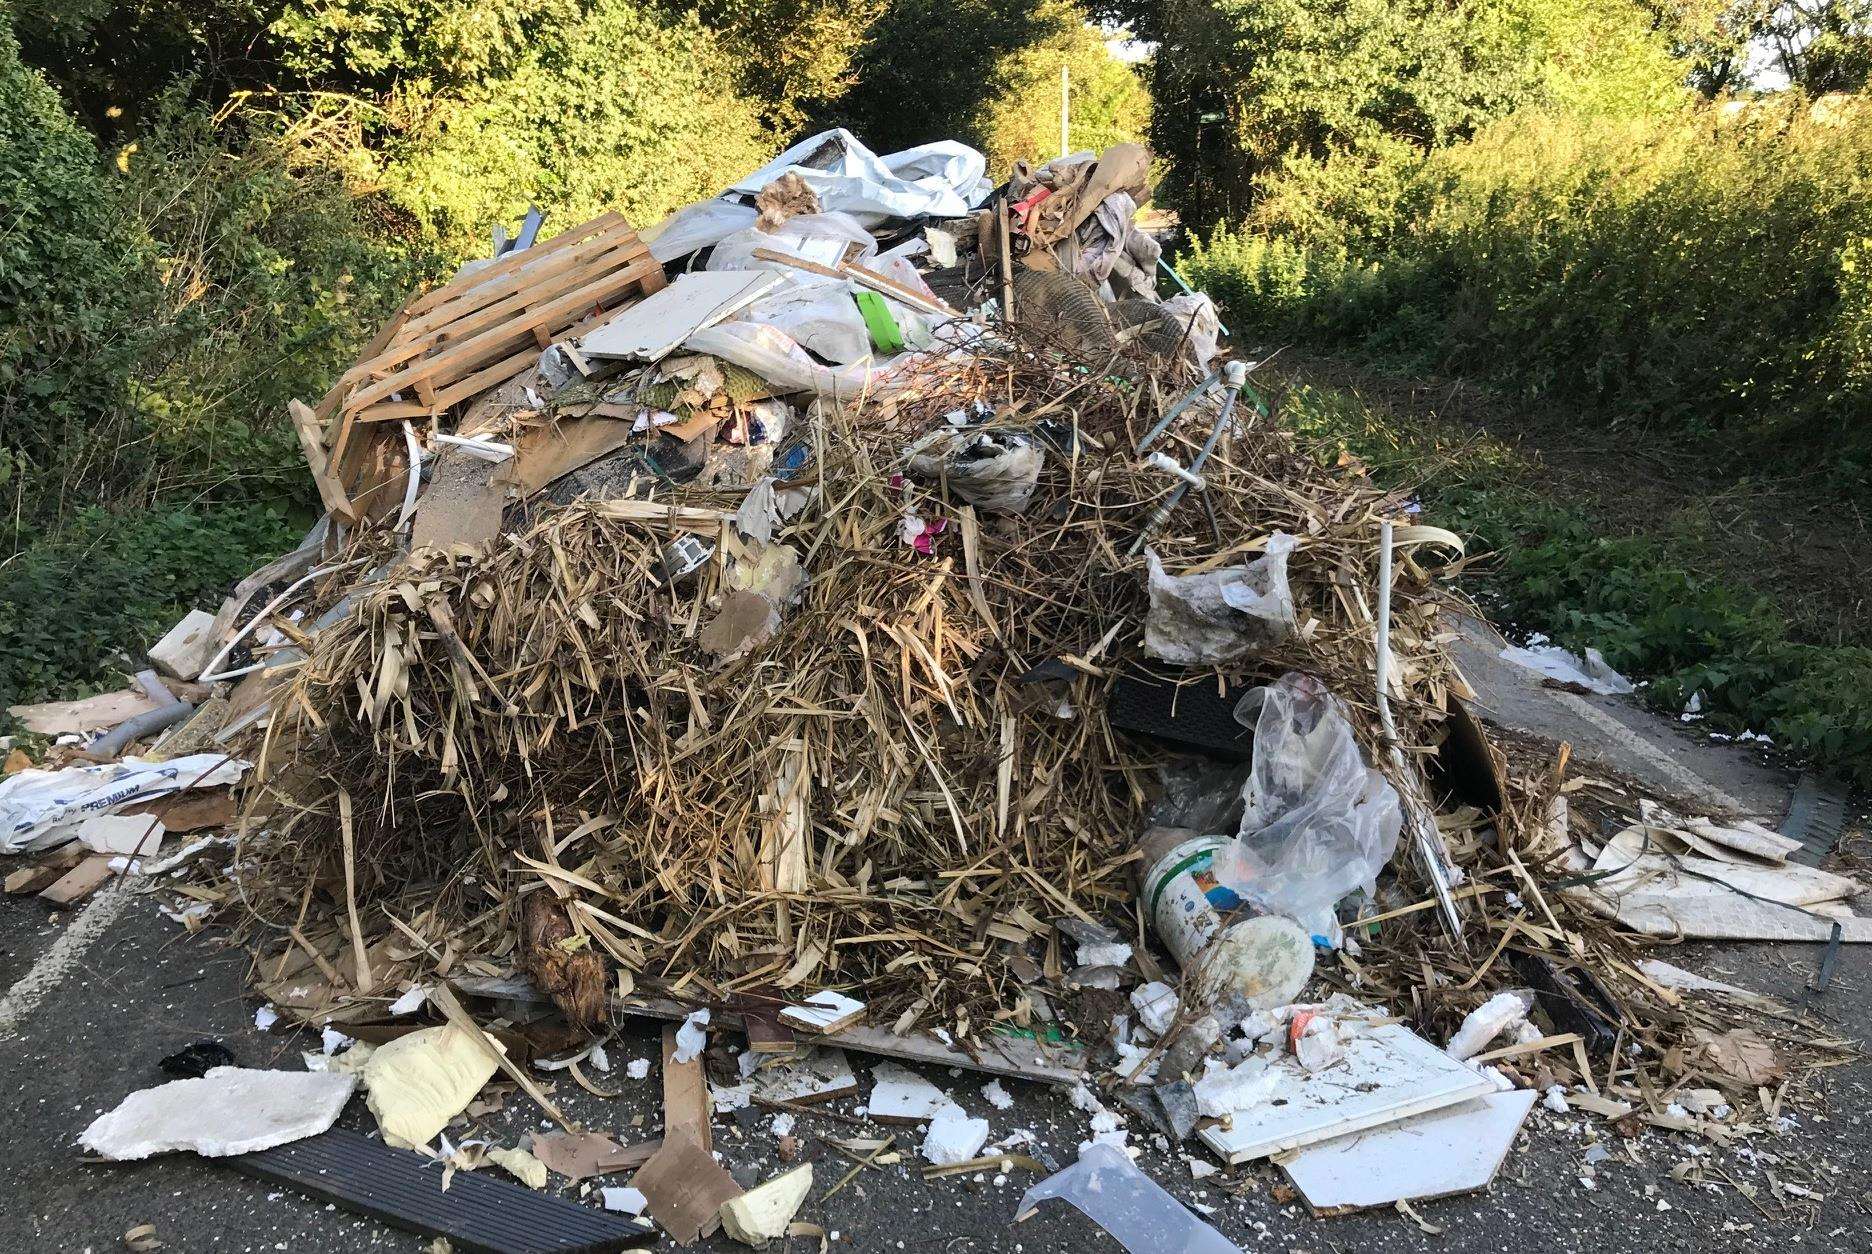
(691, 1037)
(195, 1060)
(997, 1096)
(410, 1002)
(1591, 673)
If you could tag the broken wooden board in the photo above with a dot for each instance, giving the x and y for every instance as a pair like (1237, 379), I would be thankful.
(1457, 1149)
(551, 451)
(68, 718)
(181, 813)
(79, 882)
(463, 504)
(1016, 1057)
(1387, 1074)
(684, 1189)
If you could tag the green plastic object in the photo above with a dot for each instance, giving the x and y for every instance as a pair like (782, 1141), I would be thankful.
(885, 334)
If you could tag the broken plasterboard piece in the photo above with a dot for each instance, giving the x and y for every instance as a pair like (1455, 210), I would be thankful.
(762, 1213)
(824, 1013)
(121, 833)
(1388, 1074)
(231, 1110)
(1454, 1150)
(813, 1075)
(900, 1095)
(652, 328)
(186, 648)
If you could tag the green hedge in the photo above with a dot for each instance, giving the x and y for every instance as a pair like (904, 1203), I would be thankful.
(1708, 271)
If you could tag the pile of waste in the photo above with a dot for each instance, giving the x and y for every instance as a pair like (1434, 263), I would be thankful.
(864, 611)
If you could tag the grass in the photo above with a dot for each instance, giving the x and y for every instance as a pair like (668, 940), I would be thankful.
(1666, 570)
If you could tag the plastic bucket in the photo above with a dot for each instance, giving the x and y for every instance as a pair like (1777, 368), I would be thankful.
(1264, 958)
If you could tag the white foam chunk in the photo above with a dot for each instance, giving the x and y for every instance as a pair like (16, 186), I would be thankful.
(231, 1110)
(1486, 1022)
(953, 1137)
(626, 1200)
(997, 1096)
(1223, 1090)
(1156, 1004)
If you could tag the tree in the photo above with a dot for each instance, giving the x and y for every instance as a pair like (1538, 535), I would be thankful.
(1243, 86)
(794, 56)
(928, 63)
(1109, 101)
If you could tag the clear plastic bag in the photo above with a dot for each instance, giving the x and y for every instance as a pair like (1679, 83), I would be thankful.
(1317, 822)
(1220, 615)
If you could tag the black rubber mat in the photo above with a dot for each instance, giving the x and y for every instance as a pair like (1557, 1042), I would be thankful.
(1816, 817)
(480, 1212)
(1189, 715)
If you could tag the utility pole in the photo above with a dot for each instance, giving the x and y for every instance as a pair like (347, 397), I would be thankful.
(1065, 109)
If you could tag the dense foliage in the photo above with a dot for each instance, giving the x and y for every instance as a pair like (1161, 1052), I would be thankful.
(1019, 116)
(1707, 271)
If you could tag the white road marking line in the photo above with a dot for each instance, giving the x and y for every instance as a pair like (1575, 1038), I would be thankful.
(1692, 784)
(63, 955)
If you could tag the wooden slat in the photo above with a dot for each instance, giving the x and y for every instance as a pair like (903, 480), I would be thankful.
(619, 235)
(574, 269)
(512, 262)
(491, 345)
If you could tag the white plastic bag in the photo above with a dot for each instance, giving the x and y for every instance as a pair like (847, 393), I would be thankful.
(39, 809)
(821, 238)
(1220, 615)
(1317, 822)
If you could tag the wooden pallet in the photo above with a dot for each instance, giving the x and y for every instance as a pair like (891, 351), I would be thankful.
(454, 342)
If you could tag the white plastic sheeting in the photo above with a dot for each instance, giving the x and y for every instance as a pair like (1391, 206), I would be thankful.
(943, 180)
(39, 809)
(1592, 672)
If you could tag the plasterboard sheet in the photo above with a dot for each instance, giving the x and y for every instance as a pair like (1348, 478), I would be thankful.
(1387, 1074)
(1457, 1149)
(652, 328)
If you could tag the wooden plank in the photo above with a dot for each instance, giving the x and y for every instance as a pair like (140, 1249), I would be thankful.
(687, 1106)
(306, 424)
(456, 288)
(495, 343)
(79, 882)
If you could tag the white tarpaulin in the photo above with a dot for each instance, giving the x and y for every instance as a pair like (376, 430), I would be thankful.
(943, 180)
(39, 809)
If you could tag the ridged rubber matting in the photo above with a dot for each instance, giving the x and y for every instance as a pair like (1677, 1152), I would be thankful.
(480, 1212)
